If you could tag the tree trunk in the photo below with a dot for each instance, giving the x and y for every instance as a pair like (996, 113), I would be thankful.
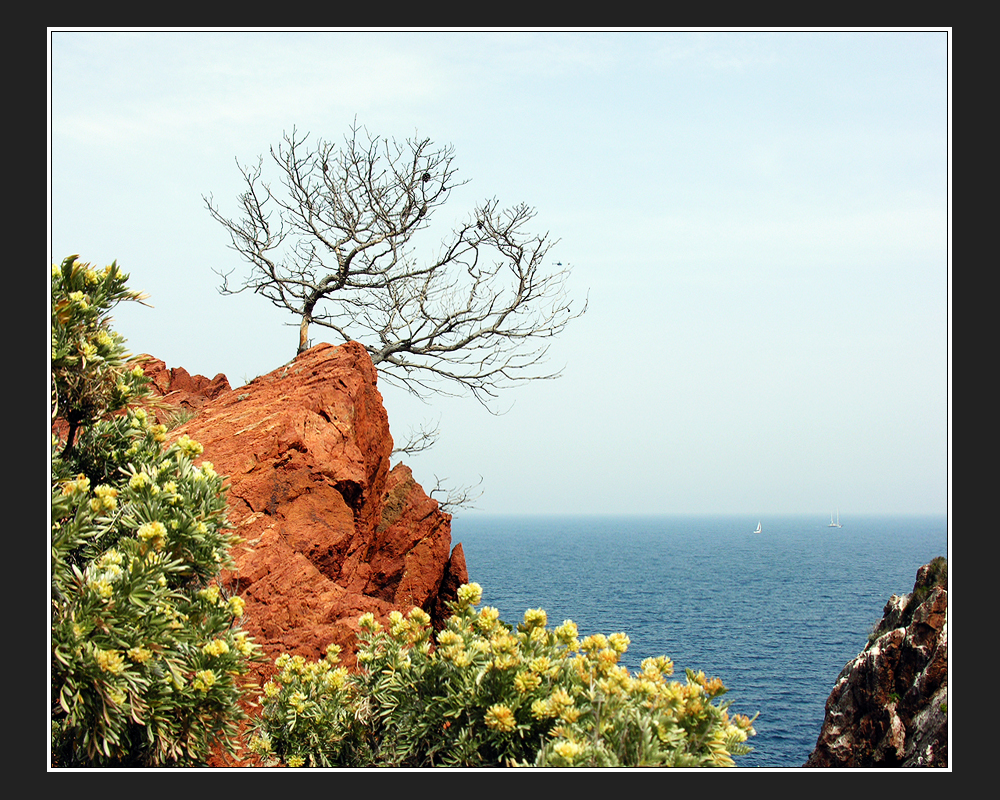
(303, 334)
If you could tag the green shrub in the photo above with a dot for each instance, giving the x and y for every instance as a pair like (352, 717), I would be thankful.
(146, 660)
(481, 693)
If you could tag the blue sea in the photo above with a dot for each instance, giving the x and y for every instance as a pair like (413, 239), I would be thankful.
(775, 615)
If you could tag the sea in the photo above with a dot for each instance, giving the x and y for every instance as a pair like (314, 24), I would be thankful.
(775, 615)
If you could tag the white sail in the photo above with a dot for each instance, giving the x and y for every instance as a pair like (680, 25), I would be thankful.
(758, 528)
(837, 523)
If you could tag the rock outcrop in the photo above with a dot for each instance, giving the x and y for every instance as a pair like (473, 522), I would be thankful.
(179, 389)
(888, 707)
(328, 530)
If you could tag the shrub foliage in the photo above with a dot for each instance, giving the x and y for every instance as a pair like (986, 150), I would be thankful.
(482, 693)
(146, 659)
(148, 662)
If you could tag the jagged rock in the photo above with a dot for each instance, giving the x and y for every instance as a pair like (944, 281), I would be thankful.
(178, 388)
(888, 707)
(329, 531)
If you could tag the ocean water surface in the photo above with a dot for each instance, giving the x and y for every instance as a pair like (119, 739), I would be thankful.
(776, 615)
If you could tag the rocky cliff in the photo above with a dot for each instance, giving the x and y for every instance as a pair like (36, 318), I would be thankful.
(888, 707)
(329, 530)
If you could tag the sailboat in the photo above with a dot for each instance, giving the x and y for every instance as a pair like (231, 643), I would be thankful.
(758, 527)
(837, 523)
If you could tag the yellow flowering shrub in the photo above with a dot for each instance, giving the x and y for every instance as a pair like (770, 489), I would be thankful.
(146, 656)
(481, 692)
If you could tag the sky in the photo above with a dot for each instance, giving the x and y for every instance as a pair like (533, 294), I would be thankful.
(758, 221)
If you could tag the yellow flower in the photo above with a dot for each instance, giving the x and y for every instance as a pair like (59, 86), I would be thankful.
(448, 638)
(106, 498)
(535, 618)
(236, 605)
(336, 678)
(204, 680)
(461, 658)
(189, 446)
(506, 653)
(527, 682)
(81, 484)
(542, 665)
(298, 701)
(567, 749)
(655, 667)
(561, 704)
(744, 723)
(210, 594)
(469, 594)
(419, 617)
(109, 558)
(606, 659)
(540, 709)
(567, 633)
(488, 618)
(500, 717)
(153, 532)
(397, 624)
(504, 643)
(296, 761)
(216, 647)
(333, 653)
(367, 622)
(139, 655)
(616, 680)
(110, 661)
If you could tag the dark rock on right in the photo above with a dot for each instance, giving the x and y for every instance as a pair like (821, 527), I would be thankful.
(889, 706)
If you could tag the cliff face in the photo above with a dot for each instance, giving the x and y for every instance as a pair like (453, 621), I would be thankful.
(888, 707)
(329, 531)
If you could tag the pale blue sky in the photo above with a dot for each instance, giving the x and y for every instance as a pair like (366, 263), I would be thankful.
(760, 219)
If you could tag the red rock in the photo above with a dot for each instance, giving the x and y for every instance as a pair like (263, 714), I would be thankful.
(329, 531)
(177, 387)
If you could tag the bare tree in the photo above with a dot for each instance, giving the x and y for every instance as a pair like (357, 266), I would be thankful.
(334, 245)
(463, 497)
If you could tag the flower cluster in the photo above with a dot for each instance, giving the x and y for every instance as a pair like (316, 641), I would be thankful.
(480, 692)
(310, 710)
(147, 661)
(87, 356)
